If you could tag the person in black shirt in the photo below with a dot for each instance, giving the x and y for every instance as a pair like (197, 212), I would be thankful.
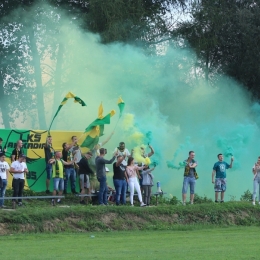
(84, 171)
(120, 179)
(1, 148)
(49, 154)
(17, 151)
(70, 172)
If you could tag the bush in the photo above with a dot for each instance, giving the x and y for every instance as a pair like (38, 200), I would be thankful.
(199, 200)
(247, 196)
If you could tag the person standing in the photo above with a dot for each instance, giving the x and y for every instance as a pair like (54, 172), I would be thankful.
(4, 171)
(189, 177)
(49, 154)
(19, 169)
(75, 149)
(58, 174)
(147, 184)
(17, 151)
(120, 179)
(256, 180)
(70, 173)
(84, 172)
(132, 172)
(219, 171)
(121, 150)
(101, 175)
(1, 148)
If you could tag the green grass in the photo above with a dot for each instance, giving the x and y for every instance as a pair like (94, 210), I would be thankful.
(215, 243)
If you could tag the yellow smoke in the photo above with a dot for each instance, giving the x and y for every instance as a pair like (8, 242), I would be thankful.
(139, 158)
(128, 121)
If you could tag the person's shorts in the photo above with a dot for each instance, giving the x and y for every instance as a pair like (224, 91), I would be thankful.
(48, 170)
(84, 184)
(220, 185)
(58, 184)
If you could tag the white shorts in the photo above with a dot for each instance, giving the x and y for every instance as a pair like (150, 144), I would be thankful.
(85, 184)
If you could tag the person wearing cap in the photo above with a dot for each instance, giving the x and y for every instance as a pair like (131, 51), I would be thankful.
(101, 175)
(120, 179)
(4, 171)
(19, 169)
(84, 172)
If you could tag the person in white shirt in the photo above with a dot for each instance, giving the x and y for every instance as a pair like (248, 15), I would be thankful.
(122, 151)
(19, 169)
(4, 171)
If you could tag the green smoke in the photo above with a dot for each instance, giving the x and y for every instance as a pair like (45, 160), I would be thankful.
(175, 111)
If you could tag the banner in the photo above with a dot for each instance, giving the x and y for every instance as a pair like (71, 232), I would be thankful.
(33, 143)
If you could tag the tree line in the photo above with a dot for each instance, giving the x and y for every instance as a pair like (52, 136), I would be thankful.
(224, 35)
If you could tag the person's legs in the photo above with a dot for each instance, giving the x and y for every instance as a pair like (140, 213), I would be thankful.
(192, 182)
(223, 189)
(137, 188)
(118, 188)
(61, 188)
(132, 188)
(145, 189)
(258, 187)
(82, 187)
(73, 180)
(15, 187)
(2, 192)
(217, 188)
(102, 190)
(20, 190)
(66, 181)
(105, 192)
(184, 189)
(55, 189)
(48, 177)
(149, 194)
(123, 192)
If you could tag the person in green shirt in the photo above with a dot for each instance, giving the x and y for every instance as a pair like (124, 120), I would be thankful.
(58, 174)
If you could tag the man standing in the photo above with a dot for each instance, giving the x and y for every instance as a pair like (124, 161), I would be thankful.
(19, 169)
(58, 174)
(219, 170)
(70, 173)
(1, 148)
(75, 149)
(84, 172)
(17, 151)
(121, 150)
(4, 171)
(189, 177)
(101, 175)
(49, 154)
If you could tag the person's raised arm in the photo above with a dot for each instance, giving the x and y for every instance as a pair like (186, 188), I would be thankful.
(151, 152)
(120, 160)
(231, 162)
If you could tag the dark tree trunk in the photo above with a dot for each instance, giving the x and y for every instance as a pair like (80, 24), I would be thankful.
(38, 81)
(4, 104)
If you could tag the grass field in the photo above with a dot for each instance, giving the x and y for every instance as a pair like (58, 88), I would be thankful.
(215, 243)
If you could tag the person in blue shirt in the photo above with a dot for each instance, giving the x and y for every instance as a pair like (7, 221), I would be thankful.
(219, 173)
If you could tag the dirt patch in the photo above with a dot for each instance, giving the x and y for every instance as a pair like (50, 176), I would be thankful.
(3, 229)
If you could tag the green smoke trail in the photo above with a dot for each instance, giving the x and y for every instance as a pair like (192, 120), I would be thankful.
(168, 103)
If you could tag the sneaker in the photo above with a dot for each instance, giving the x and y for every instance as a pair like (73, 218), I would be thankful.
(184, 203)
(253, 203)
(258, 203)
(191, 202)
(132, 205)
(58, 200)
(142, 205)
(222, 201)
(53, 202)
(82, 202)
(3, 206)
(216, 201)
(20, 204)
(102, 204)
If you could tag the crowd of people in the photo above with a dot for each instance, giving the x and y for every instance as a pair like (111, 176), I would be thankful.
(64, 166)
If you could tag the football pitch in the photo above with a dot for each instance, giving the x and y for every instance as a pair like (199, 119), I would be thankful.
(215, 243)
